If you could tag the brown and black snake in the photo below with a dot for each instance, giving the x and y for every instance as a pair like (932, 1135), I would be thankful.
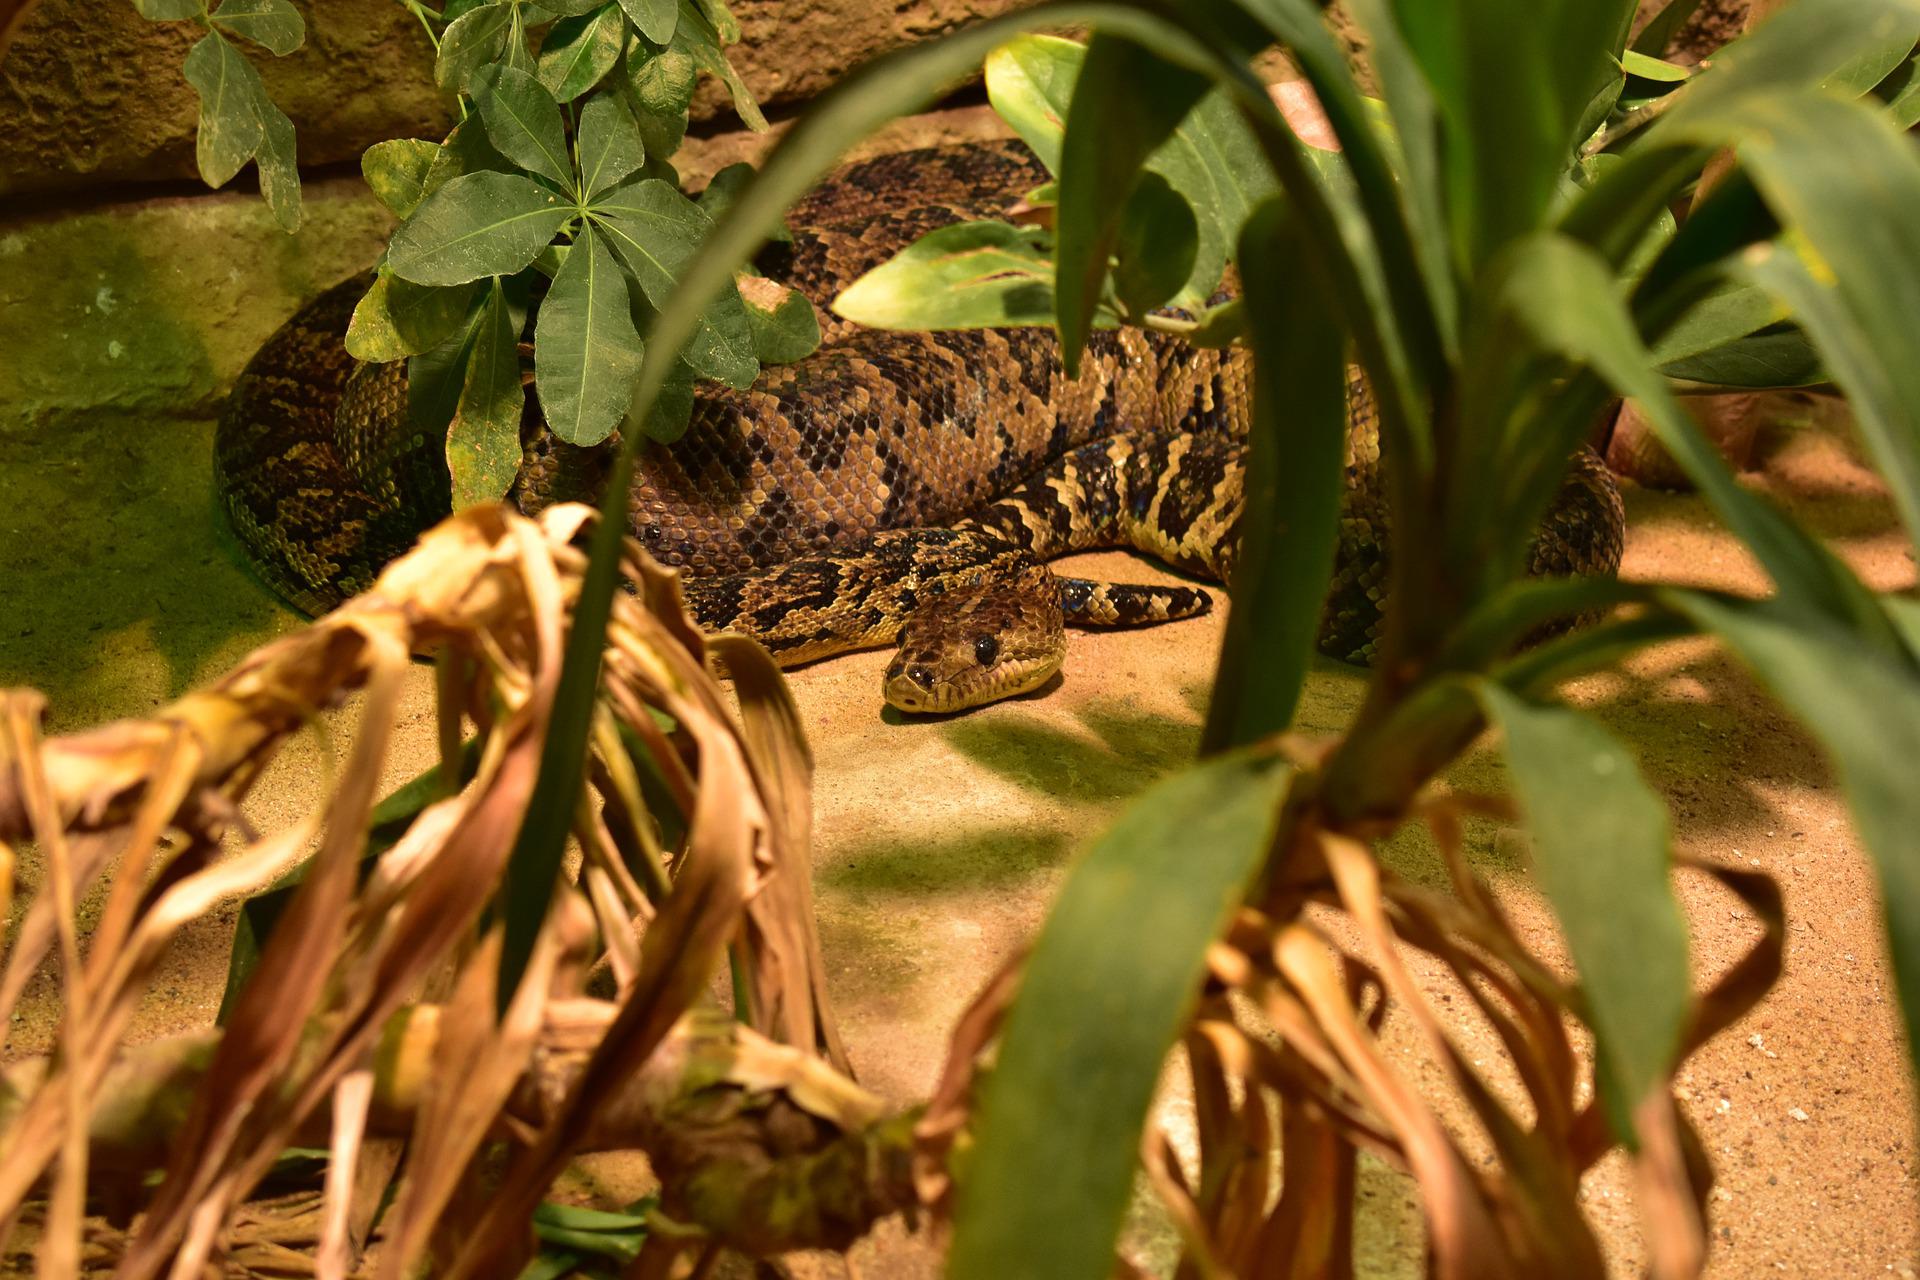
(891, 488)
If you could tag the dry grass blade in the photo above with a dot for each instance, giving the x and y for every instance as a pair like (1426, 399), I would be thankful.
(325, 1041)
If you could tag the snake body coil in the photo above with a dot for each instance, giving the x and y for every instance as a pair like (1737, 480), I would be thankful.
(892, 487)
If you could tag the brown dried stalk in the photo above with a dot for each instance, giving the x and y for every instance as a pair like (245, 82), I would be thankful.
(310, 1043)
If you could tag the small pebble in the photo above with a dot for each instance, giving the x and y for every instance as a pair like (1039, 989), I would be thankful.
(1798, 1114)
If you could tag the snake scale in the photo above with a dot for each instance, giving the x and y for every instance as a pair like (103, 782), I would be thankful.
(891, 488)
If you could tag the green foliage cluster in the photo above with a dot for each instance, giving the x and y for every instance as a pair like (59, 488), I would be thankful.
(554, 188)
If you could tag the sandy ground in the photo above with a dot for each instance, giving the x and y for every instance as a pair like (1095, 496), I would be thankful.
(939, 844)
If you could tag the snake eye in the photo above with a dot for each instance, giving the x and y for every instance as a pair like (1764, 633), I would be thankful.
(985, 650)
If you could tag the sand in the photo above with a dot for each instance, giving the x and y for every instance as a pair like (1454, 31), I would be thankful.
(939, 844)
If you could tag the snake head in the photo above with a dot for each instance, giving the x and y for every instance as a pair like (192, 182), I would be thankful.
(986, 637)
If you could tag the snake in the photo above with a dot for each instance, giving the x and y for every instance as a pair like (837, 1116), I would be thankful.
(894, 488)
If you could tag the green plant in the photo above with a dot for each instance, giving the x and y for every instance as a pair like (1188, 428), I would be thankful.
(555, 184)
(1496, 293)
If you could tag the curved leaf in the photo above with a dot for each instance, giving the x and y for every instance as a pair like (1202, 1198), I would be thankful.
(483, 440)
(230, 127)
(609, 144)
(578, 52)
(1113, 975)
(968, 276)
(274, 24)
(470, 42)
(585, 348)
(654, 19)
(479, 224)
(397, 170)
(523, 121)
(1600, 854)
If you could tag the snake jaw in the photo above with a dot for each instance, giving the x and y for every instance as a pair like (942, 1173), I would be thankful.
(905, 691)
(1000, 634)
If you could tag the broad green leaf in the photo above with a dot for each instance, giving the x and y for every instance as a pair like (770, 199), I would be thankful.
(230, 125)
(435, 379)
(724, 23)
(585, 347)
(275, 24)
(479, 224)
(578, 52)
(483, 440)
(1126, 103)
(1564, 296)
(671, 412)
(1030, 81)
(523, 121)
(396, 171)
(662, 90)
(466, 150)
(655, 230)
(1730, 311)
(695, 36)
(968, 276)
(1779, 356)
(654, 19)
(279, 168)
(1901, 92)
(169, 10)
(609, 144)
(1864, 708)
(1600, 854)
(1155, 247)
(1057, 1122)
(1293, 488)
(399, 318)
(724, 187)
(1650, 68)
(784, 326)
(473, 40)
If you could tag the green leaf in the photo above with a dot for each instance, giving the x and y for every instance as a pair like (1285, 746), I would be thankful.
(695, 36)
(523, 121)
(663, 88)
(1293, 488)
(435, 379)
(1663, 26)
(586, 349)
(396, 171)
(578, 52)
(654, 19)
(1058, 1119)
(609, 144)
(724, 187)
(1126, 103)
(483, 441)
(279, 168)
(782, 320)
(466, 150)
(169, 10)
(1600, 855)
(1864, 708)
(473, 40)
(1901, 92)
(1154, 250)
(1647, 67)
(398, 318)
(971, 275)
(1030, 81)
(479, 224)
(276, 24)
(1780, 356)
(1730, 311)
(671, 412)
(230, 127)
(1483, 58)
(655, 230)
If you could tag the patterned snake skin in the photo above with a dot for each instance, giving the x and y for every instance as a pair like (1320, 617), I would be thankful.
(892, 487)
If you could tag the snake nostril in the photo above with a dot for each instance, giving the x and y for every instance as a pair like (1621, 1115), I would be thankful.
(922, 676)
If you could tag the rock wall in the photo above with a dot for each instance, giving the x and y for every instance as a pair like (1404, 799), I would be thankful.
(91, 93)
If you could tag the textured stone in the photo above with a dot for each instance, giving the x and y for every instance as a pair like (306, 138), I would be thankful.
(155, 306)
(92, 94)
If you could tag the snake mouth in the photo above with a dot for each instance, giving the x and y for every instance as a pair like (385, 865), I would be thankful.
(943, 697)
